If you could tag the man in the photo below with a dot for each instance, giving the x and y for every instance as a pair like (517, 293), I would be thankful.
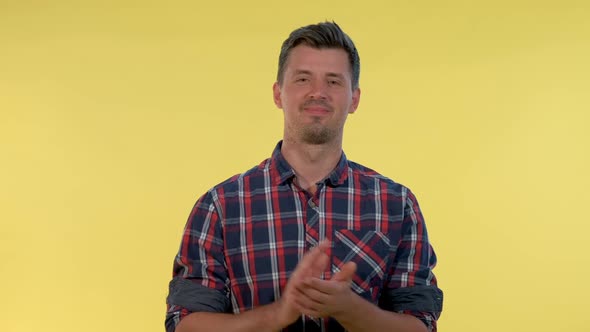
(307, 240)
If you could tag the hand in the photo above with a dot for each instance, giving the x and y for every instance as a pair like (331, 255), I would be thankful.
(327, 298)
(312, 265)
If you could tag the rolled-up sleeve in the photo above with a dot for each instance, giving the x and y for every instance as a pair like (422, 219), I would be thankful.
(200, 280)
(411, 286)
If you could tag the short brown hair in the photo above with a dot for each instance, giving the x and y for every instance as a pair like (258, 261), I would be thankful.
(321, 35)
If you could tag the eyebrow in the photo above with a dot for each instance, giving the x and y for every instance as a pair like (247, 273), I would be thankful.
(336, 75)
(302, 71)
(307, 72)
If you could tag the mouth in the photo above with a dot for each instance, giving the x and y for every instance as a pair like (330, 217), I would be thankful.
(316, 110)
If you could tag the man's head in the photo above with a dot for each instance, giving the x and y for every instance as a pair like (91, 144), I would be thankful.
(321, 36)
(317, 84)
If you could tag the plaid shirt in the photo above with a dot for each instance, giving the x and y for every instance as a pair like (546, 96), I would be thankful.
(245, 236)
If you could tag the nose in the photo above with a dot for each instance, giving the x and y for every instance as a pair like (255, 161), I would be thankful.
(318, 90)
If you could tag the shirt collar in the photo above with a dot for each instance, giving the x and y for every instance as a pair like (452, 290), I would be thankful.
(284, 172)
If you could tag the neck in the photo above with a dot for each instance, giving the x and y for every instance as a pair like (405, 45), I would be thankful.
(311, 162)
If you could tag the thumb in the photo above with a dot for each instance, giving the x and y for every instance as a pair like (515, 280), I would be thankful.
(320, 265)
(321, 260)
(314, 262)
(324, 245)
(346, 272)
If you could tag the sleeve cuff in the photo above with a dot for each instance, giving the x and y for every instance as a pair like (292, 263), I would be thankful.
(425, 298)
(195, 297)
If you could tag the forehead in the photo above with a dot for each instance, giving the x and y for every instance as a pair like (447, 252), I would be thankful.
(323, 60)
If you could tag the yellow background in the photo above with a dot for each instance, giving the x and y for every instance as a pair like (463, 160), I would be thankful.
(116, 115)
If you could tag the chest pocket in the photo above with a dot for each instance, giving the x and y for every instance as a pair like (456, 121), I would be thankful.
(370, 251)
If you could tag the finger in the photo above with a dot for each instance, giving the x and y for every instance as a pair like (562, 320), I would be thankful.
(327, 287)
(320, 265)
(304, 303)
(314, 294)
(315, 261)
(324, 245)
(308, 308)
(308, 260)
(346, 272)
(322, 260)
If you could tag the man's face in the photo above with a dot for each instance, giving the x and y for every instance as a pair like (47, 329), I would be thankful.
(316, 94)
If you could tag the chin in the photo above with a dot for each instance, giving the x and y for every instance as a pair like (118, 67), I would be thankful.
(317, 137)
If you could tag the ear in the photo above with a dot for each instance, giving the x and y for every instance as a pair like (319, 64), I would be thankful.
(356, 98)
(276, 94)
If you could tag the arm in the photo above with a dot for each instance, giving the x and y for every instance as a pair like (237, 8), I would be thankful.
(268, 318)
(199, 292)
(365, 317)
(410, 301)
(368, 317)
(412, 287)
(335, 298)
(200, 278)
(262, 319)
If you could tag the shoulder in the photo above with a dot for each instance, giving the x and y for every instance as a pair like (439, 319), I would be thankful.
(369, 177)
(248, 180)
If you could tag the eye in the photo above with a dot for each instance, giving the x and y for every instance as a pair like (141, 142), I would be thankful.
(302, 79)
(333, 82)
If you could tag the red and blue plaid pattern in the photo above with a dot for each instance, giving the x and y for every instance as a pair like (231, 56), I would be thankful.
(246, 235)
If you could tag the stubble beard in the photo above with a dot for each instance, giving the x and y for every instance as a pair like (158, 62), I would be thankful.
(316, 134)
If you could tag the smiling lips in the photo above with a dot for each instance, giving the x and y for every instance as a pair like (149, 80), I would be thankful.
(316, 108)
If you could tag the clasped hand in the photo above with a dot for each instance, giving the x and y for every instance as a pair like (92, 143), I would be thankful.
(307, 294)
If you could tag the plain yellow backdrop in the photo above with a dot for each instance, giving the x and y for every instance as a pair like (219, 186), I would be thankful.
(115, 116)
